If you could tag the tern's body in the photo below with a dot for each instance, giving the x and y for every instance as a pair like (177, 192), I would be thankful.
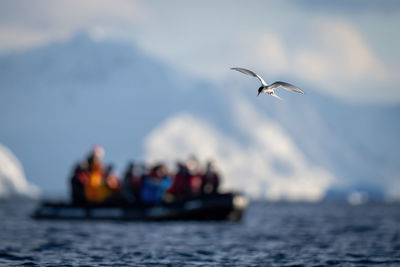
(269, 89)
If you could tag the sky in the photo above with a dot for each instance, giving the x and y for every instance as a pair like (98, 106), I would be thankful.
(347, 49)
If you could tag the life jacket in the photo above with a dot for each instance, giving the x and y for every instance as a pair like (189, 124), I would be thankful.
(96, 190)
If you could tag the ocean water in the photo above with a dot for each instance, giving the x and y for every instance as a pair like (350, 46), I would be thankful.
(271, 234)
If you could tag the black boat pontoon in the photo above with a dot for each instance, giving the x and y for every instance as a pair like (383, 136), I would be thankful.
(227, 206)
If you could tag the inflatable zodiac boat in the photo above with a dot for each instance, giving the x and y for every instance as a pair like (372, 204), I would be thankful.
(227, 206)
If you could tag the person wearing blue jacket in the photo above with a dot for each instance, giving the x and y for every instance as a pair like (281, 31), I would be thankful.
(155, 184)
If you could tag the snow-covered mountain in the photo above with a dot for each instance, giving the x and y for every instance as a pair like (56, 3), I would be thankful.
(59, 100)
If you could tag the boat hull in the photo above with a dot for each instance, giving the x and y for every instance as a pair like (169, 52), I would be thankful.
(229, 206)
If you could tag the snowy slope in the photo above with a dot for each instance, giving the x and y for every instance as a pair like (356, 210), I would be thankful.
(57, 101)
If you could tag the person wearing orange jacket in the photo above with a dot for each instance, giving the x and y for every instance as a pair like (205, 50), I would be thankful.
(95, 190)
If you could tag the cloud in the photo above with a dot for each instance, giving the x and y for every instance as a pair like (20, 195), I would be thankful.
(24, 24)
(352, 6)
(270, 163)
(341, 54)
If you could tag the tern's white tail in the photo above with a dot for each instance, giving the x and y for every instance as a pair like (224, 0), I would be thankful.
(275, 95)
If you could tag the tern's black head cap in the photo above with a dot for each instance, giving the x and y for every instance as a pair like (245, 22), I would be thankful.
(260, 90)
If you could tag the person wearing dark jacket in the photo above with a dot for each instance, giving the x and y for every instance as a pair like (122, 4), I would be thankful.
(79, 180)
(210, 180)
(132, 183)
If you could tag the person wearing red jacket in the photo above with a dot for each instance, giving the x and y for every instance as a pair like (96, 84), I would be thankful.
(181, 185)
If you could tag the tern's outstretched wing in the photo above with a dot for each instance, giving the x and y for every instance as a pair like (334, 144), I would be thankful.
(286, 86)
(249, 72)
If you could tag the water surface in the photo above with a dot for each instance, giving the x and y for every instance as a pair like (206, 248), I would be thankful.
(279, 234)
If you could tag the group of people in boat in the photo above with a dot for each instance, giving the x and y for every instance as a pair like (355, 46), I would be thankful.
(94, 182)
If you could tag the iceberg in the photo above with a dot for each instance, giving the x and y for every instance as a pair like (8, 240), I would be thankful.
(12, 178)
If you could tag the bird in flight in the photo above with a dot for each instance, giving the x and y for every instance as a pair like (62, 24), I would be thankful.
(270, 89)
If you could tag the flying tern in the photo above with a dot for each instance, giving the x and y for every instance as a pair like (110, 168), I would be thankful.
(270, 89)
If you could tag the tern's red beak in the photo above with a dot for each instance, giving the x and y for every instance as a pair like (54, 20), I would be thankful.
(258, 94)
